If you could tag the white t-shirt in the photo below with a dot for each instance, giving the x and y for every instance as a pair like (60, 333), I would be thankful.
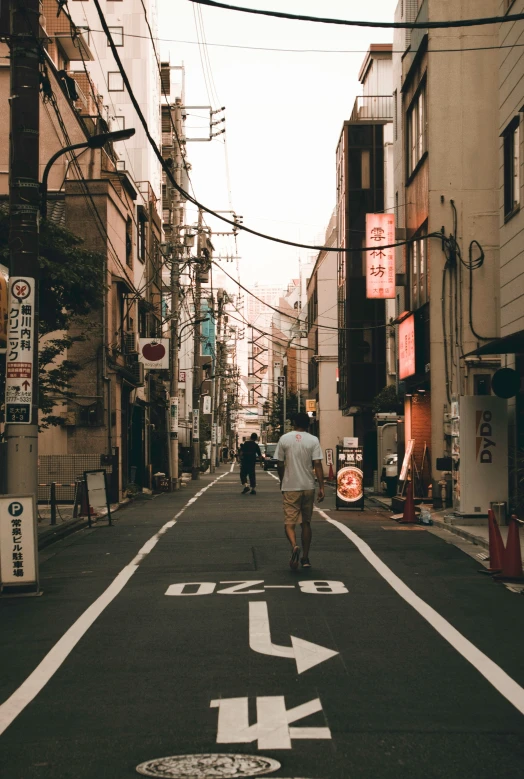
(297, 450)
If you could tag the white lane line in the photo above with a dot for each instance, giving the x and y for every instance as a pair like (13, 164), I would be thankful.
(500, 680)
(273, 475)
(36, 681)
(29, 689)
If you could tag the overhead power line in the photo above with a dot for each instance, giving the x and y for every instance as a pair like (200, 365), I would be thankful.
(357, 23)
(297, 318)
(309, 51)
(165, 167)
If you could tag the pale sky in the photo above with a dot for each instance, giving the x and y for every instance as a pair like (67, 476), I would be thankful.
(284, 115)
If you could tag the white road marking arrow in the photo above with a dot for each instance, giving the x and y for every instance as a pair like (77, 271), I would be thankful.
(305, 654)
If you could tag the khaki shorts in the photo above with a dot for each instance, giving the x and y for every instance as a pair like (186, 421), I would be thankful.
(298, 506)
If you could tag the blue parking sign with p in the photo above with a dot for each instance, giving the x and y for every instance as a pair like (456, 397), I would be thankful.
(15, 508)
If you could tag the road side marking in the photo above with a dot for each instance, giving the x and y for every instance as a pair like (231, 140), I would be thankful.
(279, 586)
(494, 674)
(271, 729)
(36, 681)
(239, 587)
(305, 654)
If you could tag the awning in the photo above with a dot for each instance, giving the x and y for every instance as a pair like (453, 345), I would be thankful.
(125, 283)
(509, 344)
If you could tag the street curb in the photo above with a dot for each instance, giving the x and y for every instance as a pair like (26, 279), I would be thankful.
(443, 525)
(477, 540)
(59, 532)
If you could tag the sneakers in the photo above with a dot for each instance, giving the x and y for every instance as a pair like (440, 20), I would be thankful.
(253, 492)
(295, 555)
(305, 562)
(246, 489)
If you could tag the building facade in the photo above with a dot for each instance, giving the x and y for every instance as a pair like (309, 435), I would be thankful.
(364, 168)
(329, 424)
(450, 296)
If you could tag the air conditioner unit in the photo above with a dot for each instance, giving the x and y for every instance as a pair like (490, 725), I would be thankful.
(137, 369)
(90, 415)
(130, 343)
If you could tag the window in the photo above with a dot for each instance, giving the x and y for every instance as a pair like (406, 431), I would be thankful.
(117, 34)
(118, 123)
(395, 114)
(129, 242)
(419, 270)
(142, 236)
(366, 170)
(511, 138)
(416, 130)
(115, 82)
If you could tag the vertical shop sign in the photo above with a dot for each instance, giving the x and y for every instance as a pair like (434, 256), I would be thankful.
(196, 424)
(20, 351)
(173, 415)
(406, 347)
(380, 262)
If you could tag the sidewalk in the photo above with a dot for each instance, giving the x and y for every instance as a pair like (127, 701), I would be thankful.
(446, 520)
(67, 524)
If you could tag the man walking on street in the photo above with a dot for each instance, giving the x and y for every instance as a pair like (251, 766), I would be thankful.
(249, 451)
(298, 453)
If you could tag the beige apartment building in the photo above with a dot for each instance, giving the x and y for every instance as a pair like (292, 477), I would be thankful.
(447, 178)
(511, 223)
(330, 425)
(109, 420)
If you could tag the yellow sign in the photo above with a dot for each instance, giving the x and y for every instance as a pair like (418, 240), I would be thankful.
(311, 405)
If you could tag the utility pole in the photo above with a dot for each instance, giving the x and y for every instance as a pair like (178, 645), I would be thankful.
(21, 399)
(197, 369)
(178, 213)
(215, 392)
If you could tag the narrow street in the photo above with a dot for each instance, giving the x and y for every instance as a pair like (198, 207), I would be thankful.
(197, 645)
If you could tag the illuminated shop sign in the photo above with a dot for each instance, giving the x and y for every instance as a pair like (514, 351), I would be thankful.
(406, 347)
(380, 262)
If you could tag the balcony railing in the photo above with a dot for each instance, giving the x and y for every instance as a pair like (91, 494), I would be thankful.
(369, 107)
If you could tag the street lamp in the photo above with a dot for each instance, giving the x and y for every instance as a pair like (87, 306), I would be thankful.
(94, 142)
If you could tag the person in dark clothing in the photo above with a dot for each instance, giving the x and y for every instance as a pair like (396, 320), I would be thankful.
(249, 451)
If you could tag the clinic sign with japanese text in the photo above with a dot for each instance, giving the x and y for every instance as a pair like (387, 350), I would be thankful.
(380, 262)
(18, 547)
(20, 351)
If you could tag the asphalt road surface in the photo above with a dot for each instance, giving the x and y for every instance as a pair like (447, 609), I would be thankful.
(179, 640)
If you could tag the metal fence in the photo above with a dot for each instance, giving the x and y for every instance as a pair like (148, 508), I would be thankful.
(372, 107)
(65, 469)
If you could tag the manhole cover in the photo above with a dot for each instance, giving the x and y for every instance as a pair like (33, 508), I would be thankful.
(208, 766)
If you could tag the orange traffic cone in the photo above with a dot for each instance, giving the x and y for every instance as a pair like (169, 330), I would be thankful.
(512, 558)
(496, 544)
(408, 517)
(331, 475)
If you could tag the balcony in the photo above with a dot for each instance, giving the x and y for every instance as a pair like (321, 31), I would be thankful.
(373, 107)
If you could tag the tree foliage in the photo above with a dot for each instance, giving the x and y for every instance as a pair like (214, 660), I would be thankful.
(387, 400)
(276, 411)
(71, 287)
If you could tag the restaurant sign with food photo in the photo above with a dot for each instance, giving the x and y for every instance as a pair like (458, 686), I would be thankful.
(350, 478)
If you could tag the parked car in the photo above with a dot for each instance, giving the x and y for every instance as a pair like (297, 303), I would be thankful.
(269, 458)
(389, 476)
(263, 450)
